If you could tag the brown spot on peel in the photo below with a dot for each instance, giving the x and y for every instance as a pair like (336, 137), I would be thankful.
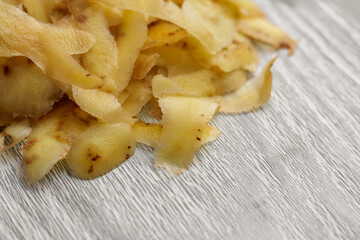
(81, 18)
(6, 70)
(29, 144)
(95, 158)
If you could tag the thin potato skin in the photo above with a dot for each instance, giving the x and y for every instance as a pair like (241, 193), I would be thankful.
(71, 40)
(101, 59)
(100, 149)
(143, 65)
(139, 94)
(17, 130)
(55, 132)
(108, 63)
(251, 95)
(262, 30)
(175, 149)
(100, 104)
(149, 134)
(133, 36)
(163, 33)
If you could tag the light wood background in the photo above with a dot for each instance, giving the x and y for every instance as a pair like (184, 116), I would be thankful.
(288, 171)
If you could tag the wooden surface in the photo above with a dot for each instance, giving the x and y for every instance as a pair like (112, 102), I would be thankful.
(288, 171)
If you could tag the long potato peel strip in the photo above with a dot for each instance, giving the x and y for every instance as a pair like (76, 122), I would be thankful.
(101, 59)
(261, 29)
(70, 40)
(239, 54)
(133, 34)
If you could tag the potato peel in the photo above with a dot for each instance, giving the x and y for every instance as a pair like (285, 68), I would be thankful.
(143, 65)
(176, 149)
(262, 30)
(149, 134)
(71, 40)
(203, 83)
(252, 95)
(17, 131)
(101, 59)
(132, 36)
(100, 149)
(101, 105)
(163, 33)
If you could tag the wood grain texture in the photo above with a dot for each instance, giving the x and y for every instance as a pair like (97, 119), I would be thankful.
(288, 171)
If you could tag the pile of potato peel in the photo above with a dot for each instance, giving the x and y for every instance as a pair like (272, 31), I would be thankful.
(75, 74)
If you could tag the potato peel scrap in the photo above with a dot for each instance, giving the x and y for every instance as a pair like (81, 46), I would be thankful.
(143, 65)
(71, 40)
(100, 104)
(17, 131)
(100, 149)
(176, 59)
(262, 30)
(132, 36)
(212, 18)
(101, 59)
(175, 149)
(75, 76)
(163, 34)
(149, 134)
(252, 95)
(203, 83)
(139, 93)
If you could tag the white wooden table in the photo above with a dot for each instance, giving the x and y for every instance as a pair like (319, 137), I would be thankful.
(288, 171)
